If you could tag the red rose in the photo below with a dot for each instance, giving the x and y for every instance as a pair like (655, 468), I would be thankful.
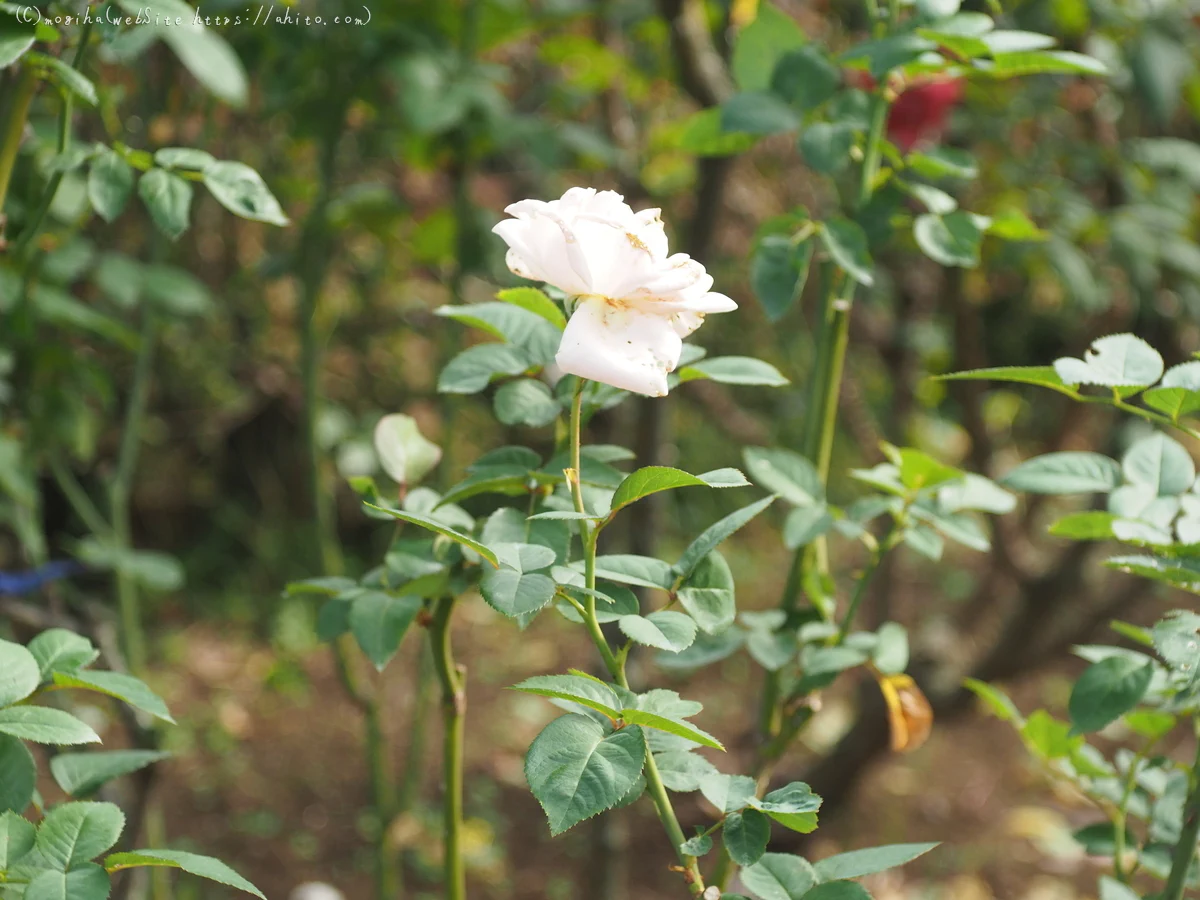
(920, 112)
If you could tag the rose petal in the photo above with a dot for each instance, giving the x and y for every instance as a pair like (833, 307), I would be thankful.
(620, 345)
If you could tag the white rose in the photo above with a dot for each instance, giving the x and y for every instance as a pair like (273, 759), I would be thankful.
(634, 303)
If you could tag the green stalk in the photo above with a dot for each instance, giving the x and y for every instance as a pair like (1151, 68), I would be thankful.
(383, 797)
(133, 637)
(1185, 848)
(14, 127)
(454, 708)
(616, 663)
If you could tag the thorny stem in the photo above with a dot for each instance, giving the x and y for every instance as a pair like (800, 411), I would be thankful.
(615, 663)
(454, 707)
(1185, 848)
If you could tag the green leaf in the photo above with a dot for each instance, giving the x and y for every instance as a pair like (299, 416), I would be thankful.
(734, 370)
(760, 46)
(66, 77)
(192, 863)
(778, 272)
(16, 838)
(702, 135)
(577, 688)
(19, 673)
(784, 472)
(793, 806)
(379, 621)
(526, 402)
(712, 609)
(1118, 360)
(434, 525)
(1107, 690)
(537, 338)
(1068, 472)
(627, 568)
(825, 146)
(472, 370)
(405, 454)
(1159, 463)
(997, 701)
(242, 191)
(858, 863)
(885, 54)
(758, 113)
(665, 629)
(16, 37)
(652, 479)
(203, 52)
(683, 770)
(697, 846)
(536, 302)
(1049, 737)
(76, 832)
(18, 775)
(805, 77)
(1091, 525)
(84, 882)
(716, 533)
(83, 773)
(516, 587)
(728, 793)
(951, 240)
(115, 684)
(805, 524)
(1044, 376)
(838, 890)
(576, 770)
(183, 158)
(746, 834)
(110, 182)
(944, 162)
(169, 199)
(44, 725)
(780, 876)
(846, 244)
(1054, 62)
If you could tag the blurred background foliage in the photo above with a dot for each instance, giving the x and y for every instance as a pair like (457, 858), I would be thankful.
(393, 144)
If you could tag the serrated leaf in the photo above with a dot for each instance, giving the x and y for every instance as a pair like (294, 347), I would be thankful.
(82, 773)
(628, 568)
(76, 832)
(192, 863)
(1067, 472)
(1107, 690)
(16, 838)
(58, 649)
(746, 834)
(794, 806)
(576, 688)
(761, 46)
(110, 182)
(683, 770)
(44, 725)
(780, 876)
(951, 240)
(242, 191)
(715, 534)
(838, 890)
(859, 863)
(19, 673)
(442, 529)
(168, 198)
(123, 687)
(518, 587)
(576, 770)
(1044, 376)
(474, 368)
(526, 401)
(784, 472)
(758, 113)
(405, 454)
(1118, 360)
(1160, 463)
(778, 271)
(84, 882)
(379, 621)
(665, 629)
(846, 243)
(18, 774)
(536, 302)
(697, 846)
(734, 370)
